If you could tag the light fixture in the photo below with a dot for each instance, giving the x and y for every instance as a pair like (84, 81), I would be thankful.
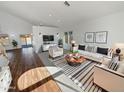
(58, 20)
(66, 3)
(50, 14)
(73, 42)
(12, 35)
(6, 38)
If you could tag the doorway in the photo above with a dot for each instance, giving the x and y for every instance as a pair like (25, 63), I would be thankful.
(26, 40)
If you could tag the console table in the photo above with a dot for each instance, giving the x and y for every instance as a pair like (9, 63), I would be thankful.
(5, 74)
(37, 80)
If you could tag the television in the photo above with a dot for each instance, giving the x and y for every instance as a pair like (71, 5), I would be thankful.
(45, 38)
(51, 38)
(48, 37)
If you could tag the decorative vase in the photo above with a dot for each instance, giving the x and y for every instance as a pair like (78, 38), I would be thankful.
(118, 50)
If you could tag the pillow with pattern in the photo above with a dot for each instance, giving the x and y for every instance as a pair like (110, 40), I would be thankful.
(90, 48)
(114, 64)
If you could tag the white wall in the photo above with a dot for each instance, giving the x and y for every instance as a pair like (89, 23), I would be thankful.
(37, 38)
(114, 24)
(13, 26)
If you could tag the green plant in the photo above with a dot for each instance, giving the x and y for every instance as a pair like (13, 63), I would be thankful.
(14, 43)
(76, 51)
(60, 42)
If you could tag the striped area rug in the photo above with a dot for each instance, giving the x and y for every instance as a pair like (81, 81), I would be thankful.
(81, 75)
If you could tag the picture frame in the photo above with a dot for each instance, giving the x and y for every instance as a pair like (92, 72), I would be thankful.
(89, 37)
(101, 37)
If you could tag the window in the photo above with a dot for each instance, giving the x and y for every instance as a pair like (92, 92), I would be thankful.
(68, 37)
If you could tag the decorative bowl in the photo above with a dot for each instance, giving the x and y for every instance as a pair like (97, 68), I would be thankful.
(74, 59)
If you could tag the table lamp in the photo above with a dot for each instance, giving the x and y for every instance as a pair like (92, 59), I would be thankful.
(119, 47)
(73, 44)
(118, 51)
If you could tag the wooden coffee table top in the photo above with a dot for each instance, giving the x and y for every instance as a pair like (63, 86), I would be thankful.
(75, 59)
(38, 79)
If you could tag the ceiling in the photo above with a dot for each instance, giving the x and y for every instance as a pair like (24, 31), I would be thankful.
(55, 13)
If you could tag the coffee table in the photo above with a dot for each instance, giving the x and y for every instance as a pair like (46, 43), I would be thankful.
(74, 59)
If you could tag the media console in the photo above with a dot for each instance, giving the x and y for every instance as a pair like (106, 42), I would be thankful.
(45, 47)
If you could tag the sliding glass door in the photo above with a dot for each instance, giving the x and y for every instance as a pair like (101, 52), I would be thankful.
(68, 37)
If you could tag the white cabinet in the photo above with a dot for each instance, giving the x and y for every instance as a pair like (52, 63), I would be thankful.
(46, 46)
(5, 79)
(39, 31)
(5, 74)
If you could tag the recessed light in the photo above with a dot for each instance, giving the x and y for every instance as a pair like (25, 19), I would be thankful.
(12, 35)
(58, 20)
(50, 15)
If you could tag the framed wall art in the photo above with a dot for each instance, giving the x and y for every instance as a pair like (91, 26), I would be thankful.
(101, 37)
(89, 37)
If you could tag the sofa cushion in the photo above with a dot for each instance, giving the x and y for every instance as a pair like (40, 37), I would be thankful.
(90, 48)
(106, 61)
(81, 47)
(102, 50)
(121, 68)
(92, 56)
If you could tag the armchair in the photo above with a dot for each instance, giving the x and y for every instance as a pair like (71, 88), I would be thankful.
(55, 51)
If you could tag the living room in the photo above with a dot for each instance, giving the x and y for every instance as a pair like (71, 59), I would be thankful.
(62, 46)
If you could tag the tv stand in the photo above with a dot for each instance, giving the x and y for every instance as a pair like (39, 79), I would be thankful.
(45, 47)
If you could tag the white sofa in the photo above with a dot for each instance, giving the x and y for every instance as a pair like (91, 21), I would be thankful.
(108, 79)
(55, 51)
(93, 55)
(104, 77)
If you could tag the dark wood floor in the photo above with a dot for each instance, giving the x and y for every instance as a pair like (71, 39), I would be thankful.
(22, 60)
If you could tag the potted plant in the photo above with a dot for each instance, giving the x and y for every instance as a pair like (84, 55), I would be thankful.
(60, 42)
(14, 43)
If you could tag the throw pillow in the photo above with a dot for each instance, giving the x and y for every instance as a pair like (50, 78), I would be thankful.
(81, 47)
(110, 52)
(114, 64)
(102, 50)
(90, 48)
